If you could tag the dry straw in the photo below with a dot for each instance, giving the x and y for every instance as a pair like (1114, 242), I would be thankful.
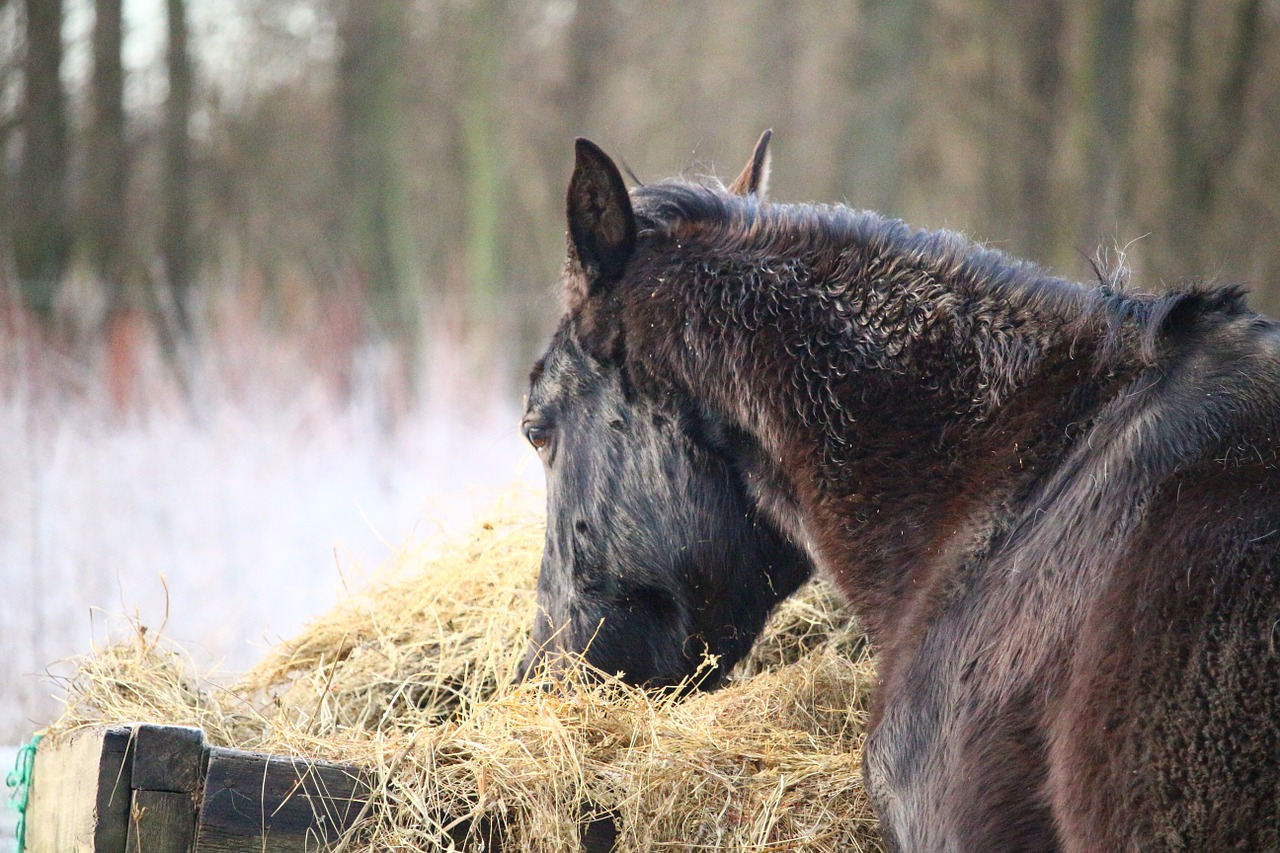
(412, 678)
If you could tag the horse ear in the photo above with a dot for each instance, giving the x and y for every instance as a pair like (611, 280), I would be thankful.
(602, 226)
(754, 178)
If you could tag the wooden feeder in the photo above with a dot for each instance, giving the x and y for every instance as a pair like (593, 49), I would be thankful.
(161, 789)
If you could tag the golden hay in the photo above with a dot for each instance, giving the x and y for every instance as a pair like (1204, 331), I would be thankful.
(411, 678)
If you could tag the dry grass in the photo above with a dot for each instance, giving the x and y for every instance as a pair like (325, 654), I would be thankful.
(412, 678)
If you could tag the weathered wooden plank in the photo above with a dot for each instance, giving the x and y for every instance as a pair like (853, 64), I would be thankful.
(274, 804)
(162, 822)
(80, 795)
(168, 782)
(168, 758)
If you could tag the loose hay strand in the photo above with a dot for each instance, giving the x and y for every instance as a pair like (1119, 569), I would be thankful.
(412, 677)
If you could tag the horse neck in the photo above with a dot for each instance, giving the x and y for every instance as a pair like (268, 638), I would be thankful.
(894, 414)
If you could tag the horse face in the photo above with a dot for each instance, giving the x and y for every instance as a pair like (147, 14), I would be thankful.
(654, 553)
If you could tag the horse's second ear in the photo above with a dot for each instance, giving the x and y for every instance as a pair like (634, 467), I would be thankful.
(602, 226)
(754, 178)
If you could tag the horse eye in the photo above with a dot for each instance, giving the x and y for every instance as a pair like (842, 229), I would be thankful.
(538, 436)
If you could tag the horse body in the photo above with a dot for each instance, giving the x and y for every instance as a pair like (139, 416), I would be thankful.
(1053, 508)
(1102, 670)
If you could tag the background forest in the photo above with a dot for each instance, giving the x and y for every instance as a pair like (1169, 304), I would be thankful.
(271, 271)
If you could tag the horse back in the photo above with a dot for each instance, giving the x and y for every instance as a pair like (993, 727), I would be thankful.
(1105, 676)
(1166, 736)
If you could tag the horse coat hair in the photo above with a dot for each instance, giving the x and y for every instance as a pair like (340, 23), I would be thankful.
(1054, 508)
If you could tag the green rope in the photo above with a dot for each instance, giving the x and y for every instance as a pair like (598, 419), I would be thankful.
(20, 781)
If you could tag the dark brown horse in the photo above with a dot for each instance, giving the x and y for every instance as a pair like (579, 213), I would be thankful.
(1055, 508)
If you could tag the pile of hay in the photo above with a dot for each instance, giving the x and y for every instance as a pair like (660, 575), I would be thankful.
(412, 678)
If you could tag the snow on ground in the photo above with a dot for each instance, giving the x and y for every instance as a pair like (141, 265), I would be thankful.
(229, 526)
(8, 817)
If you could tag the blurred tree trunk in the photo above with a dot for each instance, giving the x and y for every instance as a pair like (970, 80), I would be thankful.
(41, 231)
(370, 160)
(1040, 30)
(1187, 185)
(177, 247)
(1207, 131)
(886, 62)
(1024, 82)
(590, 37)
(998, 101)
(104, 212)
(10, 120)
(1109, 109)
(483, 159)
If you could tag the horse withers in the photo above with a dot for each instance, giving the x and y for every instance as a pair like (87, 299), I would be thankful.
(1055, 508)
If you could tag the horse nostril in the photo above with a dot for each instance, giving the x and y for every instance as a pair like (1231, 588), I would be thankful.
(581, 527)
